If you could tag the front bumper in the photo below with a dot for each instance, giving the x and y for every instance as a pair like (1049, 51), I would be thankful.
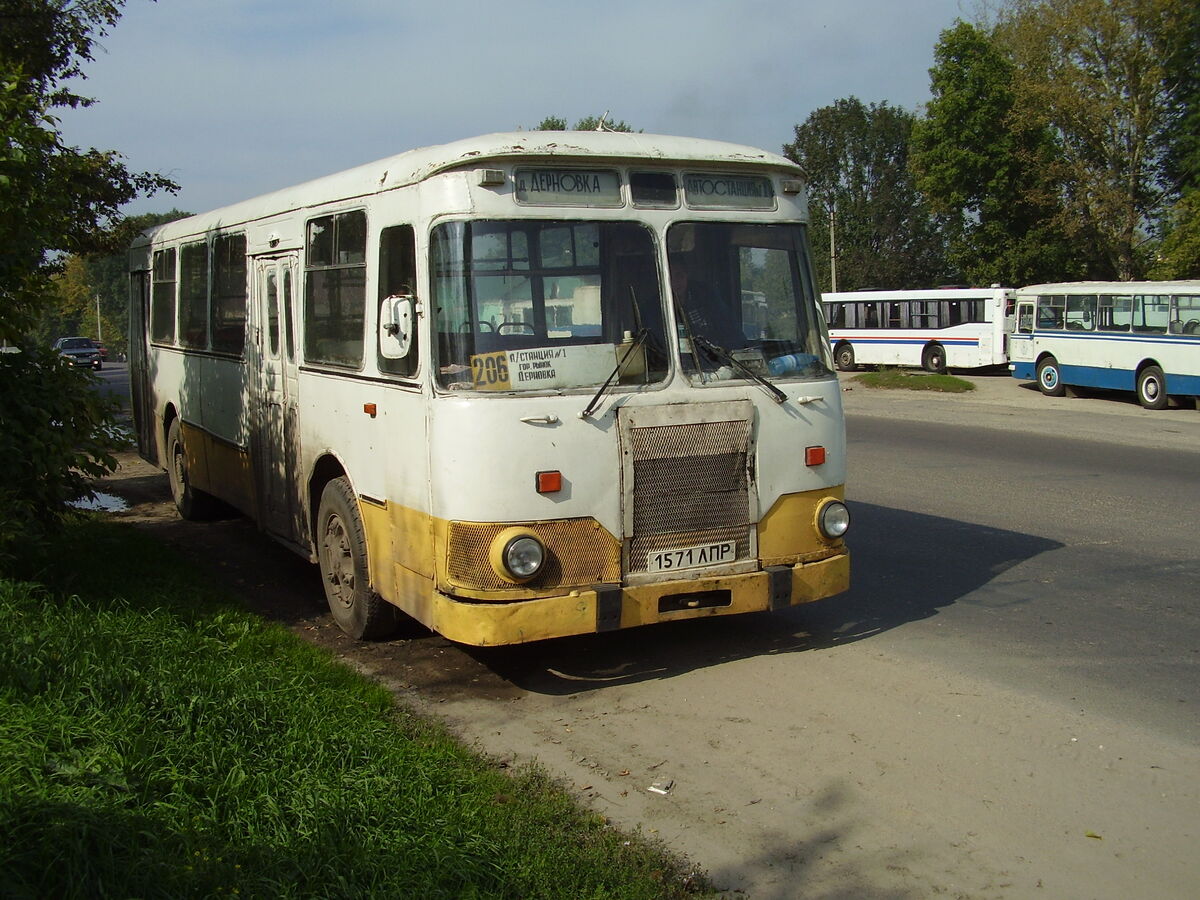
(604, 609)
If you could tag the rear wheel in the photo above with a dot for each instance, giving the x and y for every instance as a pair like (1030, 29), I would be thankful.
(934, 359)
(192, 503)
(1049, 378)
(342, 553)
(843, 357)
(1152, 388)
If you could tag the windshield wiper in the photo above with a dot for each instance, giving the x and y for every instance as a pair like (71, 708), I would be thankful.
(637, 342)
(721, 353)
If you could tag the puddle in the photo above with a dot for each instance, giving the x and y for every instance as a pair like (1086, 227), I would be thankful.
(101, 502)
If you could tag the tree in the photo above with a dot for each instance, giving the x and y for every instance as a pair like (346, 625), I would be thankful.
(1095, 72)
(987, 173)
(55, 200)
(587, 123)
(1179, 252)
(856, 160)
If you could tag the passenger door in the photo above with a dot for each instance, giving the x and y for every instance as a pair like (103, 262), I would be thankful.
(140, 389)
(275, 420)
(1020, 342)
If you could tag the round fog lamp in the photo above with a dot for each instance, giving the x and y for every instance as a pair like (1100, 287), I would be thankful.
(523, 556)
(834, 520)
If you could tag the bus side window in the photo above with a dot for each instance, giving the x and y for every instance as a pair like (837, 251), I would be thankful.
(1050, 312)
(162, 298)
(1186, 316)
(1081, 313)
(335, 281)
(398, 278)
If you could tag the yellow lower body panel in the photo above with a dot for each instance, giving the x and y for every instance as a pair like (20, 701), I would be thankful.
(588, 611)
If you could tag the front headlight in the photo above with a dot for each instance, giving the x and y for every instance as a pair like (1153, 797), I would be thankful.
(517, 555)
(523, 556)
(834, 520)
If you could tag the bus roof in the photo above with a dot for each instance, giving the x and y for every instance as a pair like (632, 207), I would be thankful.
(935, 293)
(1096, 287)
(414, 166)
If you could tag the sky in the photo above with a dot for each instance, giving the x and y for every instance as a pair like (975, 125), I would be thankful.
(235, 98)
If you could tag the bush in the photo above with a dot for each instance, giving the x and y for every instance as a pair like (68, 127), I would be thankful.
(57, 434)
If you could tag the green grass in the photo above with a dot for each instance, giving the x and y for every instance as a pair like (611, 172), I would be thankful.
(158, 741)
(898, 379)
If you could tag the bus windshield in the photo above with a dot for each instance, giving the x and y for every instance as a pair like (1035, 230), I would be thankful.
(527, 305)
(741, 302)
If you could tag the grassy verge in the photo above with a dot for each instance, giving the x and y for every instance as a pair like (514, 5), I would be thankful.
(158, 741)
(899, 379)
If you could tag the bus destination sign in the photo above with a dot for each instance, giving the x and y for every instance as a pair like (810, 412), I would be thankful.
(729, 191)
(568, 187)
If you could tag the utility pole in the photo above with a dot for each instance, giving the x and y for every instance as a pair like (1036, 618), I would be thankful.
(99, 336)
(832, 246)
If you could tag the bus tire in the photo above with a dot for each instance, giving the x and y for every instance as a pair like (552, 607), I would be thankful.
(193, 504)
(1152, 388)
(843, 357)
(1049, 378)
(342, 555)
(933, 359)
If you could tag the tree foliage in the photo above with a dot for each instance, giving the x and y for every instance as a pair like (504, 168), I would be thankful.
(856, 159)
(57, 435)
(55, 201)
(587, 123)
(987, 173)
(1096, 73)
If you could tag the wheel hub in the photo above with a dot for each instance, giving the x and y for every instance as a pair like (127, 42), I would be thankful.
(339, 562)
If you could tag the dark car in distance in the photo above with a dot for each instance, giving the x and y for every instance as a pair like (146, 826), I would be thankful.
(80, 351)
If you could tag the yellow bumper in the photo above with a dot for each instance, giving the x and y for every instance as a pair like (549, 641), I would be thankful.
(588, 611)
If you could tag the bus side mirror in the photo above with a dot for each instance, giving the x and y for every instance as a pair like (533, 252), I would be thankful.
(396, 327)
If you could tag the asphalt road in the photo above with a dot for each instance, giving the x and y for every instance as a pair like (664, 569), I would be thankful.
(1064, 567)
(114, 380)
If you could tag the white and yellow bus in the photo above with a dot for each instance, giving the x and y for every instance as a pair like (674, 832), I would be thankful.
(505, 385)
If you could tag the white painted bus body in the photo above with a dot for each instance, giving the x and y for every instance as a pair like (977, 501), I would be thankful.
(936, 329)
(1139, 336)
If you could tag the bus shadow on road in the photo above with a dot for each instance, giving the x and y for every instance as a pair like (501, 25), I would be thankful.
(905, 567)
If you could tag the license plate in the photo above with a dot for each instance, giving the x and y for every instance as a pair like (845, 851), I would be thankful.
(692, 557)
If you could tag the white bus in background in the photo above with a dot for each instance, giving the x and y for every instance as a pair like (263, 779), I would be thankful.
(1140, 336)
(936, 329)
(516, 387)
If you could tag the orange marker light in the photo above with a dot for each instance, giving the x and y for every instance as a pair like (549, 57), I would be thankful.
(370, 409)
(549, 482)
(814, 456)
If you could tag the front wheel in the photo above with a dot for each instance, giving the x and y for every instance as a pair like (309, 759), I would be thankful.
(934, 359)
(342, 553)
(843, 357)
(1049, 378)
(1152, 388)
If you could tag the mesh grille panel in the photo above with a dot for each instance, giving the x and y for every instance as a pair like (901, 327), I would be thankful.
(579, 552)
(690, 487)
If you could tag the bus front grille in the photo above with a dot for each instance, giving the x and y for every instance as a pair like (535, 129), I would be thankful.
(691, 488)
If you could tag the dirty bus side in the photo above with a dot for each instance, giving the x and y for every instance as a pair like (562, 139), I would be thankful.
(511, 387)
